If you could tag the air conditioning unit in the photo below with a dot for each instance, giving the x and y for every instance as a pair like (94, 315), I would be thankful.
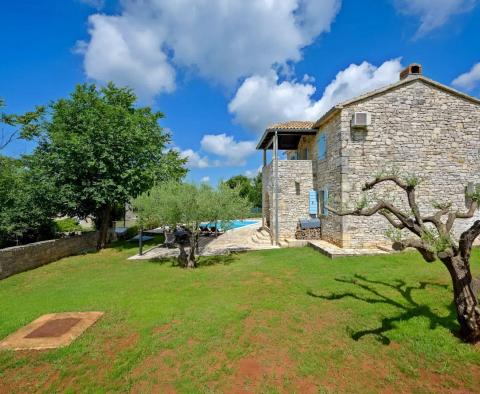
(361, 120)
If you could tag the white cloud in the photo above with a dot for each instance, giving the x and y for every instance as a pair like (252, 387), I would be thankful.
(262, 100)
(223, 40)
(433, 14)
(195, 160)
(226, 147)
(228, 151)
(127, 53)
(470, 79)
(205, 179)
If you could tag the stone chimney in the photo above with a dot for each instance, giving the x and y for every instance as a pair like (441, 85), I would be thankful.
(412, 69)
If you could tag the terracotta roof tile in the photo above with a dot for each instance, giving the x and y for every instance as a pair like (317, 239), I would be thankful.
(291, 125)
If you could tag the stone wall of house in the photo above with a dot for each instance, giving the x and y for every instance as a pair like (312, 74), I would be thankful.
(267, 194)
(26, 257)
(328, 175)
(417, 129)
(295, 180)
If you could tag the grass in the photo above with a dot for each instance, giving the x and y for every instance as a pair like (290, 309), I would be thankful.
(285, 320)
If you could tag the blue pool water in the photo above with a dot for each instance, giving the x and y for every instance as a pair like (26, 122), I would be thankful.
(241, 223)
(232, 224)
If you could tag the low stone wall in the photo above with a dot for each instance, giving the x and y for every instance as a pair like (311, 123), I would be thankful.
(26, 257)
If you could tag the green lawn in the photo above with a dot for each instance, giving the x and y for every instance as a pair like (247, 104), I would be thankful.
(285, 320)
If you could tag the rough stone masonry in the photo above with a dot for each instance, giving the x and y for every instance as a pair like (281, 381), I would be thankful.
(418, 127)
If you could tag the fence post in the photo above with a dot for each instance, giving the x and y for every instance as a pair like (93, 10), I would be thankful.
(140, 241)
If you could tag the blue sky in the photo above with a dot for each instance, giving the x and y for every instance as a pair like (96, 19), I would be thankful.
(221, 70)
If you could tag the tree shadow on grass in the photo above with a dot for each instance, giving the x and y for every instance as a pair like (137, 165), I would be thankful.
(409, 308)
(225, 259)
(162, 260)
(203, 261)
(122, 245)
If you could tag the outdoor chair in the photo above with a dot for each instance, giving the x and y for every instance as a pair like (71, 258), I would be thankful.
(169, 240)
(215, 231)
(182, 236)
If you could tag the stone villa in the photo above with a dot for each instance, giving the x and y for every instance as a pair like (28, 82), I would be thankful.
(416, 126)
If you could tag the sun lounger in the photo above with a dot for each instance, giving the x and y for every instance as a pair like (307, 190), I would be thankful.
(204, 229)
(145, 238)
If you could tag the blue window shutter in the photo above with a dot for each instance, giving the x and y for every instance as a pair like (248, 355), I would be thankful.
(313, 203)
(325, 201)
(322, 147)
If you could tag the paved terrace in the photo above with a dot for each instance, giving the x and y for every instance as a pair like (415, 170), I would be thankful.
(251, 237)
(235, 240)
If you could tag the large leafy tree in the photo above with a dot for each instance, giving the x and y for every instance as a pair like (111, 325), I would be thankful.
(250, 188)
(100, 150)
(14, 126)
(256, 193)
(25, 211)
(189, 205)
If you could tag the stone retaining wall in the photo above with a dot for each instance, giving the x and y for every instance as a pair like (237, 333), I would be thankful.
(26, 257)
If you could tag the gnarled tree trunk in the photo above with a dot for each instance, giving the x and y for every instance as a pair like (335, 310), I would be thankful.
(188, 260)
(182, 257)
(465, 297)
(104, 219)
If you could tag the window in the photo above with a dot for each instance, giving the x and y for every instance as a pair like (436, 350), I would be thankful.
(322, 147)
(324, 202)
(313, 202)
(297, 188)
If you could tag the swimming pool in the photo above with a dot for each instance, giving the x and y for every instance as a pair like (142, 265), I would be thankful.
(232, 224)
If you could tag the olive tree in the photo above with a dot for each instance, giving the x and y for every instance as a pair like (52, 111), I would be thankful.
(432, 235)
(189, 205)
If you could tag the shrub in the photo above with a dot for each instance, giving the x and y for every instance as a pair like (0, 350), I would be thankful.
(67, 225)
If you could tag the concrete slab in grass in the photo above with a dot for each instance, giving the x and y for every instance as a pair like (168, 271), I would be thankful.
(50, 331)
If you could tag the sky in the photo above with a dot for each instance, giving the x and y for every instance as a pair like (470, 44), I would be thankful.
(223, 70)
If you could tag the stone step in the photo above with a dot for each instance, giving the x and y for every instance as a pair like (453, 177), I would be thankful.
(333, 251)
(264, 233)
(296, 243)
(261, 234)
(260, 241)
(262, 237)
(255, 240)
